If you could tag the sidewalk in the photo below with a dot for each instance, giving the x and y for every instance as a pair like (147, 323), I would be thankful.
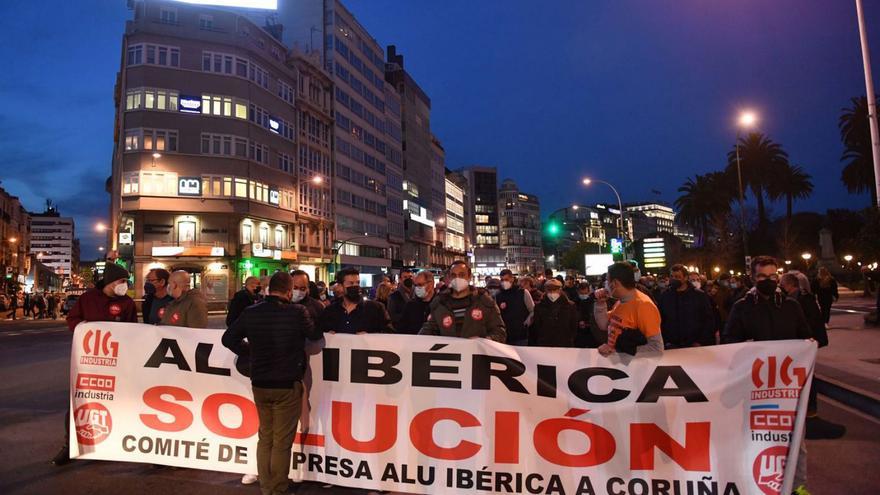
(851, 361)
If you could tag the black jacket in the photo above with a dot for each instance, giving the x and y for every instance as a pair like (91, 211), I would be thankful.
(555, 323)
(588, 334)
(276, 333)
(240, 300)
(813, 314)
(686, 318)
(368, 316)
(757, 318)
(314, 307)
(396, 302)
(415, 314)
(514, 312)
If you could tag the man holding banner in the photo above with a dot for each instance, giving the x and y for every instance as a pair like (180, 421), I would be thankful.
(464, 311)
(276, 333)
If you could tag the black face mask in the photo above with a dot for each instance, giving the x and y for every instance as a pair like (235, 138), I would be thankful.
(675, 283)
(766, 287)
(408, 283)
(353, 294)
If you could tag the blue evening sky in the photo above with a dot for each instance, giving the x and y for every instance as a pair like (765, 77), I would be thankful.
(642, 93)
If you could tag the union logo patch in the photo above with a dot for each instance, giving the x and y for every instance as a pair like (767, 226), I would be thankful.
(477, 314)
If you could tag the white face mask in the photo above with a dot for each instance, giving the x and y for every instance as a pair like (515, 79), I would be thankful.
(420, 291)
(506, 285)
(553, 296)
(697, 284)
(637, 275)
(459, 284)
(584, 297)
(121, 289)
(297, 295)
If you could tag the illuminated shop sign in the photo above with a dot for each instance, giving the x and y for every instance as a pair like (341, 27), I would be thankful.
(274, 197)
(274, 125)
(189, 186)
(190, 104)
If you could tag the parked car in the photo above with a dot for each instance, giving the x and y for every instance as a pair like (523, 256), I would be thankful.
(68, 303)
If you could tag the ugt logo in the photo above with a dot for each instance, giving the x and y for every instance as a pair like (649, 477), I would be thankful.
(780, 380)
(93, 423)
(769, 469)
(99, 349)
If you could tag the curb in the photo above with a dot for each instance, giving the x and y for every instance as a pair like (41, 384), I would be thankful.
(856, 398)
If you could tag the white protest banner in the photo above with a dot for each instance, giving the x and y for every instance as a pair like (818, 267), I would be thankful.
(437, 415)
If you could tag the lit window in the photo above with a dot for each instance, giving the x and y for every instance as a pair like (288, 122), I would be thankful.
(240, 188)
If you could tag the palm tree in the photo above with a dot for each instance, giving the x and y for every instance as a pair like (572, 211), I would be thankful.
(790, 182)
(705, 198)
(855, 132)
(761, 160)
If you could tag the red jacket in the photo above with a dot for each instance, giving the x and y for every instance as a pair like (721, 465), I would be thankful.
(94, 305)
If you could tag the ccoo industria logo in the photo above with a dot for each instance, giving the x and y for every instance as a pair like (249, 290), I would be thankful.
(775, 380)
(99, 349)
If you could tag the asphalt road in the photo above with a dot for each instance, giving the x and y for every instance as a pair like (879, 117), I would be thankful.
(33, 385)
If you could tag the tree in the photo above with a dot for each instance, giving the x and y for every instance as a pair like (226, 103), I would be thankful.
(855, 132)
(789, 182)
(574, 257)
(761, 159)
(705, 199)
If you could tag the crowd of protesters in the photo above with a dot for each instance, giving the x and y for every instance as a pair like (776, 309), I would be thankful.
(271, 321)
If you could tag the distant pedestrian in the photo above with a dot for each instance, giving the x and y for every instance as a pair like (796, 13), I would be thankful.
(555, 321)
(417, 310)
(398, 299)
(247, 296)
(826, 292)
(13, 306)
(517, 308)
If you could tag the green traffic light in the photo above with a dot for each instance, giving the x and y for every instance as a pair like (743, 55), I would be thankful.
(553, 228)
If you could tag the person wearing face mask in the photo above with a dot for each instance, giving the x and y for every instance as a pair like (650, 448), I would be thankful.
(530, 285)
(640, 280)
(302, 294)
(416, 311)
(764, 313)
(556, 319)
(189, 308)
(517, 309)
(570, 287)
(660, 288)
(686, 315)
(107, 301)
(351, 313)
(464, 311)
(633, 324)
(398, 299)
(247, 296)
(155, 295)
(587, 336)
(737, 291)
(273, 334)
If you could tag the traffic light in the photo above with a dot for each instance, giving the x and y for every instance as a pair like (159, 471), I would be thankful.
(553, 228)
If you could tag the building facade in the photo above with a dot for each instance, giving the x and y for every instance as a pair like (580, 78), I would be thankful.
(455, 240)
(650, 219)
(53, 243)
(483, 201)
(222, 160)
(423, 172)
(15, 239)
(520, 227)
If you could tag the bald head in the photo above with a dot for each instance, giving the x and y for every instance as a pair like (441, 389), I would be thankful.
(178, 283)
(252, 284)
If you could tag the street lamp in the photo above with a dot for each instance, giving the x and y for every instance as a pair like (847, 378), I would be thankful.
(100, 227)
(587, 181)
(848, 258)
(156, 156)
(806, 256)
(747, 120)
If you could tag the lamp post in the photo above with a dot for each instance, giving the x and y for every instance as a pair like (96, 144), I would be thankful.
(746, 120)
(587, 182)
(807, 257)
(872, 100)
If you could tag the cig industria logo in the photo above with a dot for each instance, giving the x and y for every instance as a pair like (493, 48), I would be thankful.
(775, 380)
(99, 349)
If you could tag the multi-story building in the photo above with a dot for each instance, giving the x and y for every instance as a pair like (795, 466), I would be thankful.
(455, 243)
(520, 224)
(15, 242)
(222, 158)
(53, 242)
(423, 175)
(650, 219)
(368, 137)
(482, 221)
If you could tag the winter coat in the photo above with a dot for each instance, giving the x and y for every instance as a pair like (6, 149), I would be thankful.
(686, 318)
(94, 305)
(555, 323)
(189, 310)
(755, 317)
(482, 318)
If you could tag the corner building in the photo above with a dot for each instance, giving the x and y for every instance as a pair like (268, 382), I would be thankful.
(222, 157)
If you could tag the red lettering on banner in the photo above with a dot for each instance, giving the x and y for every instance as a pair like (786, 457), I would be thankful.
(386, 429)
(692, 456)
(546, 439)
(421, 432)
(506, 437)
(772, 420)
(250, 421)
(183, 418)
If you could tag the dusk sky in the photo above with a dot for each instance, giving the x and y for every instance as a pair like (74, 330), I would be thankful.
(642, 94)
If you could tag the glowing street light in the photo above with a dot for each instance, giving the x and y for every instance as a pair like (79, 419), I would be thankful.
(717, 269)
(806, 256)
(747, 119)
(848, 258)
(787, 262)
(157, 155)
(100, 227)
(13, 239)
(587, 181)
(100, 248)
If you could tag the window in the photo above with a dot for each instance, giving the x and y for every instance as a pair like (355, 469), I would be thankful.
(168, 15)
(158, 183)
(186, 232)
(159, 140)
(206, 22)
(130, 183)
(151, 99)
(264, 235)
(285, 92)
(220, 63)
(217, 144)
(247, 233)
(240, 188)
(258, 153)
(279, 237)
(132, 140)
(285, 163)
(220, 106)
(168, 56)
(241, 110)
